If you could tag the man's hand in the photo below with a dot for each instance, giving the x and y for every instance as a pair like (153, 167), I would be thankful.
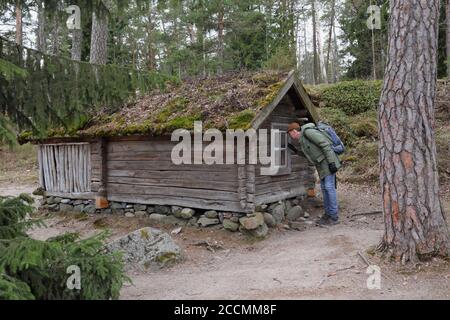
(332, 167)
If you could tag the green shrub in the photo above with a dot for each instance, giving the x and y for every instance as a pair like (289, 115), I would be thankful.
(352, 97)
(365, 125)
(33, 269)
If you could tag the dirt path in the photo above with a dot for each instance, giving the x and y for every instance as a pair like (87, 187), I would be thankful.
(316, 263)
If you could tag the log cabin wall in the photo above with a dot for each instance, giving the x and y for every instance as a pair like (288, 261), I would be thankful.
(270, 189)
(141, 171)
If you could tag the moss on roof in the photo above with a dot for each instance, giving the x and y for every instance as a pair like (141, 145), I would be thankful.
(228, 101)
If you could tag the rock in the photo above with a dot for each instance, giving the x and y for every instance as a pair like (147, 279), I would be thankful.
(261, 208)
(39, 192)
(129, 215)
(65, 207)
(77, 202)
(269, 220)
(139, 207)
(309, 222)
(116, 205)
(176, 211)
(146, 247)
(259, 233)
(50, 200)
(294, 213)
(206, 222)
(129, 210)
(306, 215)
(150, 209)
(90, 209)
(161, 218)
(129, 206)
(106, 211)
(288, 205)
(230, 225)
(53, 207)
(66, 201)
(193, 222)
(235, 219)
(187, 213)
(211, 214)
(79, 208)
(141, 214)
(296, 225)
(295, 202)
(162, 210)
(120, 212)
(273, 206)
(252, 223)
(278, 213)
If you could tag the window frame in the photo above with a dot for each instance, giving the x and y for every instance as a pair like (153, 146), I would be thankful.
(285, 169)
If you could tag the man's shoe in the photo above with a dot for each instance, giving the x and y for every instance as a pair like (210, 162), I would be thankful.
(326, 220)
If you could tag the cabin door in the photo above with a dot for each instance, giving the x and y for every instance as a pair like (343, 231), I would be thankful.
(65, 168)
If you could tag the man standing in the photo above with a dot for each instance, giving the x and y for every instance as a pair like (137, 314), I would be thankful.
(317, 148)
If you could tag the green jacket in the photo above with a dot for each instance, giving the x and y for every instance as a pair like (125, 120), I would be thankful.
(317, 149)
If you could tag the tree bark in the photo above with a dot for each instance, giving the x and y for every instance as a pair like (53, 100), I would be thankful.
(19, 19)
(41, 36)
(77, 41)
(447, 18)
(316, 77)
(99, 37)
(330, 35)
(415, 225)
(220, 37)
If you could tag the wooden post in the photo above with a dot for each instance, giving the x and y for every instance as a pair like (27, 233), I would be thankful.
(101, 198)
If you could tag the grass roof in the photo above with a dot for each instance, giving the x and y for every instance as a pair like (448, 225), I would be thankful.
(229, 101)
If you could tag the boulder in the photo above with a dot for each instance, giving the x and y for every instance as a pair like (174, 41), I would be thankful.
(116, 205)
(211, 214)
(141, 214)
(206, 222)
(253, 221)
(146, 247)
(161, 218)
(278, 212)
(150, 209)
(78, 208)
(139, 207)
(269, 220)
(66, 201)
(129, 215)
(187, 213)
(176, 211)
(193, 222)
(65, 207)
(162, 210)
(120, 212)
(230, 225)
(259, 233)
(294, 213)
(90, 209)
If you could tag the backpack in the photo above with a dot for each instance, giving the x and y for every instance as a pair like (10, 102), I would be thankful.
(336, 143)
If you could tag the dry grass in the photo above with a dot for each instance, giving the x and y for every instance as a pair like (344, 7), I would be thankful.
(18, 165)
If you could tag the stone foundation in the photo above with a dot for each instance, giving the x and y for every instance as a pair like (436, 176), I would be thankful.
(253, 224)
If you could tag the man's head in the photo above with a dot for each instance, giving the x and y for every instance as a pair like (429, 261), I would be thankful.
(294, 130)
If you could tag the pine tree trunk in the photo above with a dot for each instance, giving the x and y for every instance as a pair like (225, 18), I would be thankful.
(99, 37)
(19, 19)
(77, 41)
(447, 18)
(41, 36)
(220, 37)
(414, 218)
(332, 14)
(316, 77)
(322, 69)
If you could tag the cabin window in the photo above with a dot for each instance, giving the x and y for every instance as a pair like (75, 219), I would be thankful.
(280, 150)
(65, 168)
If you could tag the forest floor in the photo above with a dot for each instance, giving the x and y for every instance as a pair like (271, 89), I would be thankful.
(314, 263)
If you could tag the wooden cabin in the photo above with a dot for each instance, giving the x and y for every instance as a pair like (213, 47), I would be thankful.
(125, 155)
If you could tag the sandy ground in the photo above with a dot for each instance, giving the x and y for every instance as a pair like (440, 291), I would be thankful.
(314, 263)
